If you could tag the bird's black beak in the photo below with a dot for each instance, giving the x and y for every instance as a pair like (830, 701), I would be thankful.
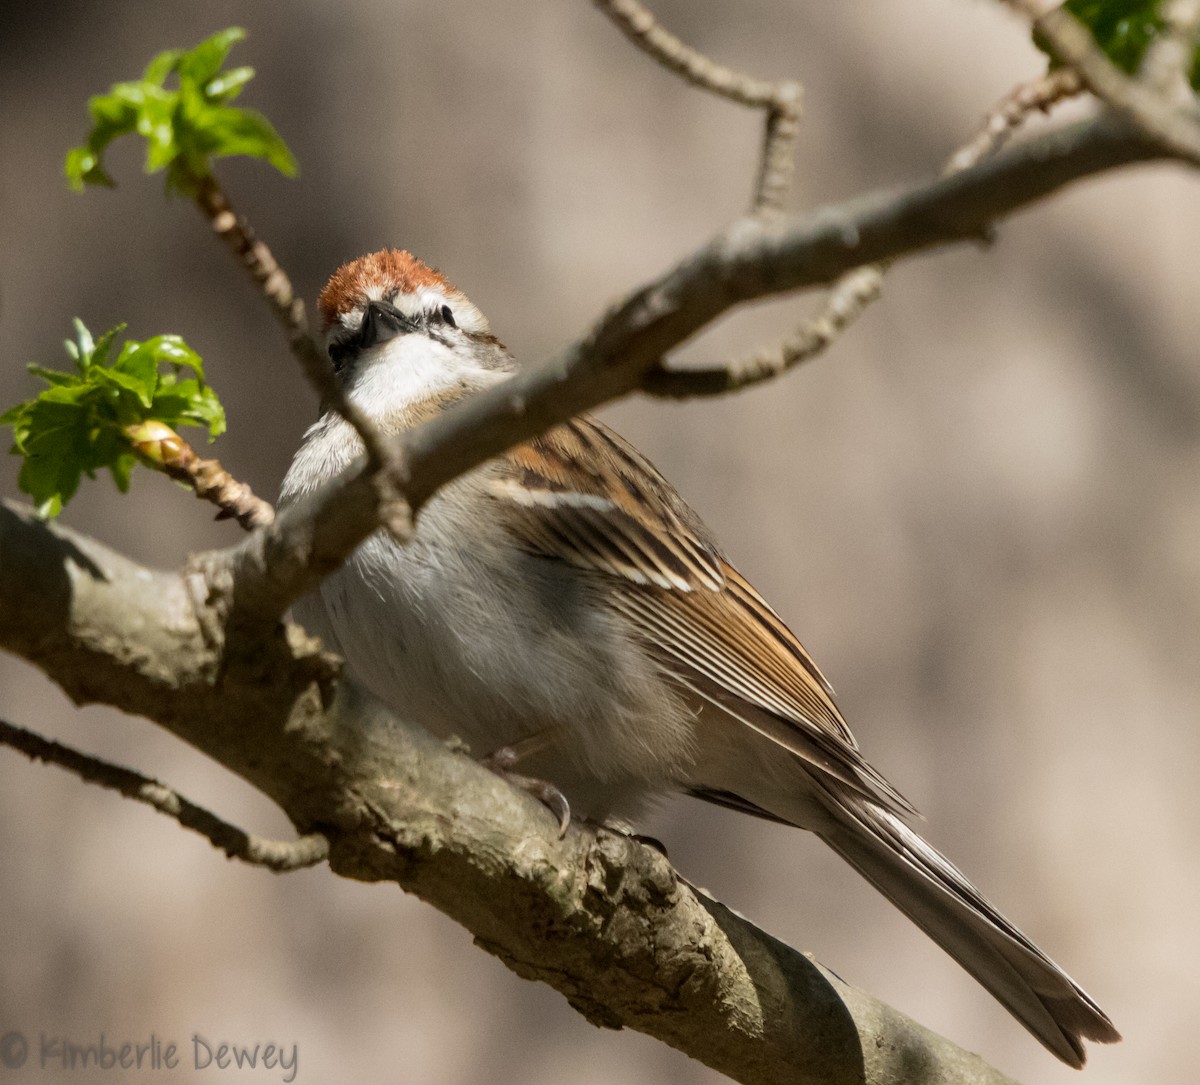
(383, 322)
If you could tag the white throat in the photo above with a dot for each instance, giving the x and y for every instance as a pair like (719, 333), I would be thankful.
(409, 369)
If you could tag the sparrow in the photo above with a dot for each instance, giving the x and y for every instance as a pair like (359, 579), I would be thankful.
(562, 603)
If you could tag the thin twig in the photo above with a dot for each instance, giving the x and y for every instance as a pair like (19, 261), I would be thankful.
(781, 100)
(278, 855)
(1012, 111)
(1160, 117)
(275, 286)
(848, 298)
(161, 448)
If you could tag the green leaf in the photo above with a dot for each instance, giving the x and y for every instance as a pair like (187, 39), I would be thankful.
(84, 343)
(70, 395)
(50, 376)
(78, 424)
(1122, 28)
(52, 467)
(191, 403)
(172, 350)
(104, 344)
(202, 63)
(140, 367)
(242, 131)
(184, 127)
(121, 468)
(122, 386)
(83, 167)
(113, 114)
(14, 415)
(228, 85)
(156, 124)
(161, 66)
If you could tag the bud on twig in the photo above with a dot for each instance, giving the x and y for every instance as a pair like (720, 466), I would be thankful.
(160, 447)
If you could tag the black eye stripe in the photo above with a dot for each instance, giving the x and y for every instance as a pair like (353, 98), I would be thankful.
(347, 344)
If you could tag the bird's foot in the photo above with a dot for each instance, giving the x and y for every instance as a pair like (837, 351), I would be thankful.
(503, 761)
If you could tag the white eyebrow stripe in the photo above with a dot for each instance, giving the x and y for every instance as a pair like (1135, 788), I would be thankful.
(411, 303)
(414, 304)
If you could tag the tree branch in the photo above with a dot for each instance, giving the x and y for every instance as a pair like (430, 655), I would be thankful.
(847, 301)
(598, 916)
(781, 100)
(163, 449)
(278, 855)
(1040, 94)
(750, 259)
(1176, 127)
(856, 290)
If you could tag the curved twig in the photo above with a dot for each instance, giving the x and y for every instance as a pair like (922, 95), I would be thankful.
(854, 292)
(847, 301)
(278, 855)
(781, 100)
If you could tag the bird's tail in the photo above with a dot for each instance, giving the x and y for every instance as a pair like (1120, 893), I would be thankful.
(935, 895)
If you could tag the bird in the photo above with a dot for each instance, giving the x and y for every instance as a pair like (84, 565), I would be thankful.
(562, 610)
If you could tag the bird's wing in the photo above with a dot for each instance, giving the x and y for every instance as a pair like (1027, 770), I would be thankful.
(581, 494)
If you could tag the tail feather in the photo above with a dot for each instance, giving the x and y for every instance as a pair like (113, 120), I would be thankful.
(935, 895)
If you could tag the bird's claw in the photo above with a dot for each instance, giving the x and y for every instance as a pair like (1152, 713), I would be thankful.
(501, 762)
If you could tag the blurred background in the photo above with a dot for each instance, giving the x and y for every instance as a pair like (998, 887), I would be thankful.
(980, 512)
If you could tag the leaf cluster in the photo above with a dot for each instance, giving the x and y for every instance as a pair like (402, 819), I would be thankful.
(185, 127)
(1124, 29)
(79, 424)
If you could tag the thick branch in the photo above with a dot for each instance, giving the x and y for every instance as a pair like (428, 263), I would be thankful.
(598, 916)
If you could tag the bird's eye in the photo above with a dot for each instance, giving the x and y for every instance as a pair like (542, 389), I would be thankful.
(447, 314)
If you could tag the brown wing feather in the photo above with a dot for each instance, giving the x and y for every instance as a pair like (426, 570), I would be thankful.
(581, 494)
